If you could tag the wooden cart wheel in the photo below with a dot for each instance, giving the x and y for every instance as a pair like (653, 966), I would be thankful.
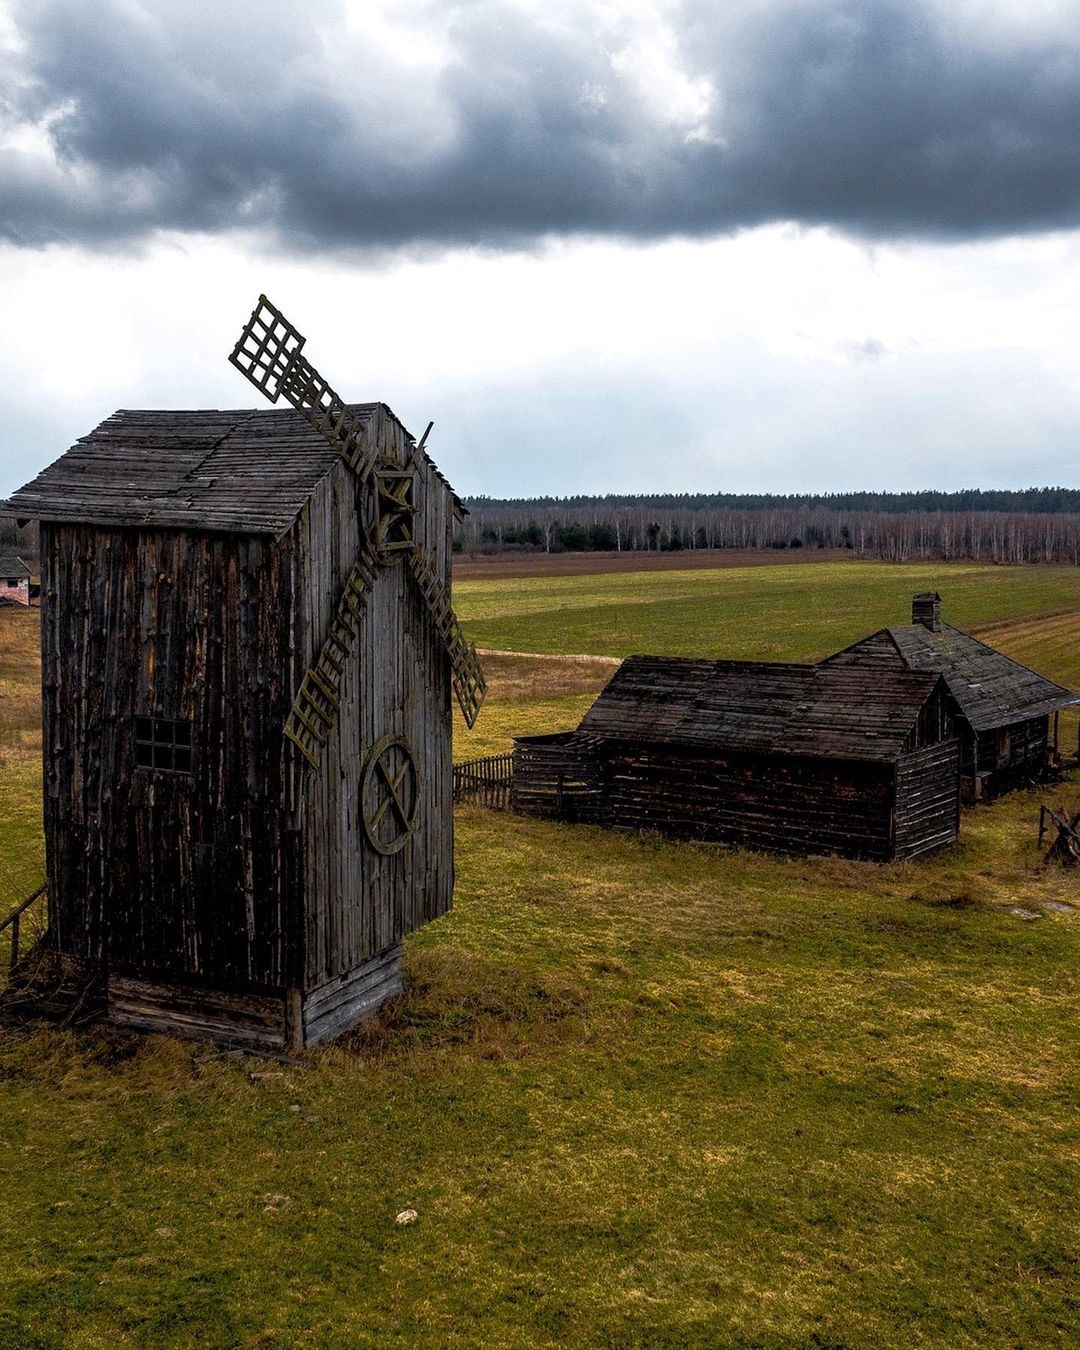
(389, 794)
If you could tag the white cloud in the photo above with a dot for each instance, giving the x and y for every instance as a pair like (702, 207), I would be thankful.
(779, 359)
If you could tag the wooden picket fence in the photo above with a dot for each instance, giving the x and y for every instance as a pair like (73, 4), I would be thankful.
(485, 781)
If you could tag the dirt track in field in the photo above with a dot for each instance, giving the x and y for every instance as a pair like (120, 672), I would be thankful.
(503, 566)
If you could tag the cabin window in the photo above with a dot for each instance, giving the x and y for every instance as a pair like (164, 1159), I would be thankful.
(163, 743)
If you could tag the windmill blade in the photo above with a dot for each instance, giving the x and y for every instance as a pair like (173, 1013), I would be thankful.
(466, 673)
(269, 352)
(315, 708)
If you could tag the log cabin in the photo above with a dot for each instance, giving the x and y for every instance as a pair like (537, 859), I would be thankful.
(14, 580)
(1006, 715)
(200, 871)
(797, 759)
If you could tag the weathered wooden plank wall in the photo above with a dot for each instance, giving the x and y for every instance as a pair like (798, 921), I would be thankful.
(927, 798)
(782, 804)
(485, 781)
(558, 777)
(359, 901)
(162, 872)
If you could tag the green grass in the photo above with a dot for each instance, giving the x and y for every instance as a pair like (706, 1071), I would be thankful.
(22, 851)
(786, 613)
(640, 1093)
(798, 612)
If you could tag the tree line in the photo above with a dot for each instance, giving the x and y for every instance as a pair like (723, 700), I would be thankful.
(1023, 501)
(644, 525)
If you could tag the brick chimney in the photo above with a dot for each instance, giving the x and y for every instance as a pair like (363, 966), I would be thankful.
(926, 609)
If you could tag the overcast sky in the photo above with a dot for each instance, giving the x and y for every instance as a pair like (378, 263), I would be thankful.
(776, 245)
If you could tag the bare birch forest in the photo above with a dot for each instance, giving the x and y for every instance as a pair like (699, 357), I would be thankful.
(898, 528)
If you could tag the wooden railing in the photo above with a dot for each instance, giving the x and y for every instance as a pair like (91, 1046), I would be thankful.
(485, 781)
(14, 920)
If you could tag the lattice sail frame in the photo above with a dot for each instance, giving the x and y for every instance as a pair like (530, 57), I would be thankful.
(269, 353)
(466, 673)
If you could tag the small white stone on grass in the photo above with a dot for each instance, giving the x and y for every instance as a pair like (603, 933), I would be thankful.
(407, 1216)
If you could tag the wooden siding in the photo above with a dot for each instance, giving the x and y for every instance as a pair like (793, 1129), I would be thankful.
(341, 1003)
(360, 902)
(1011, 756)
(927, 799)
(485, 781)
(155, 872)
(188, 1010)
(558, 778)
(243, 895)
(776, 803)
(787, 803)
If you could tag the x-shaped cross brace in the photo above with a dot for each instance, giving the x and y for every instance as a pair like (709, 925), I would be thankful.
(377, 769)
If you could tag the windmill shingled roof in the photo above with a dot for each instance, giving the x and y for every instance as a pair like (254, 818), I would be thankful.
(245, 470)
(840, 712)
(991, 689)
(12, 566)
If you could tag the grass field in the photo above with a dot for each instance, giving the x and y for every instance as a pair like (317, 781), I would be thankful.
(639, 1093)
(781, 613)
(791, 612)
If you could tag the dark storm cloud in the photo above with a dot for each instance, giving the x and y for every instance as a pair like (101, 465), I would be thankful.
(886, 118)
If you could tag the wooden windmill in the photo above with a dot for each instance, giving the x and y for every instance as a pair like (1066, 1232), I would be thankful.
(210, 580)
(270, 354)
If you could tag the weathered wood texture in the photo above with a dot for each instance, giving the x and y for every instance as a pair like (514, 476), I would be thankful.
(927, 796)
(785, 805)
(242, 470)
(883, 784)
(1002, 709)
(156, 872)
(762, 707)
(177, 1009)
(360, 902)
(485, 781)
(559, 777)
(252, 874)
(342, 1003)
(285, 1019)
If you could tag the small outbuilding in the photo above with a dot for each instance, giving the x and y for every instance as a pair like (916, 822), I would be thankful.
(800, 759)
(14, 580)
(1002, 709)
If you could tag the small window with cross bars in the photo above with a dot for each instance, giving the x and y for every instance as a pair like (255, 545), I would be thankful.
(163, 744)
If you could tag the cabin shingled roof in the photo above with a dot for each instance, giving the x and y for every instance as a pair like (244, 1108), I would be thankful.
(990, 688)
(246, 471)
(840, 712)
(13, 566)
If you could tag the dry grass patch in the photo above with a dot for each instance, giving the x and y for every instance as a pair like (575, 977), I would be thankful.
(530, 695)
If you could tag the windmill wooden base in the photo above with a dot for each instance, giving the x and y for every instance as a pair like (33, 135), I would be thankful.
(283, 1020)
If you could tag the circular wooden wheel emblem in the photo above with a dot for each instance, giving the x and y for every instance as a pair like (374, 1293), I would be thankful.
(389, 794)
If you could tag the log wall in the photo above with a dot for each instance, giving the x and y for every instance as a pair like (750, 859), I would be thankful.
(558, 778)
(785, 804)
(782, 804)
(927, 799)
